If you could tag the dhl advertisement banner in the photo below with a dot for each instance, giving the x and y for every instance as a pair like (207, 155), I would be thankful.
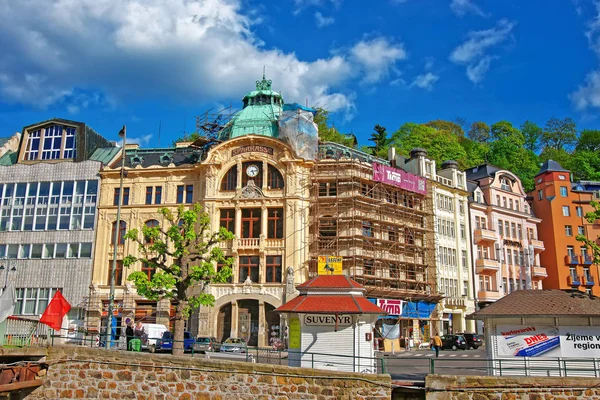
(549, 341)
(329, 265)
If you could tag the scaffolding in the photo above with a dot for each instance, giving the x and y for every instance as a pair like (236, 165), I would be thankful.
(383, 233)
(211, 122)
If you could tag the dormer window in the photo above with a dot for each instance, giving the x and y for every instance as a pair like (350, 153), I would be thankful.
(136, 160)
(505, 184)
(56, 142)
(166, 158)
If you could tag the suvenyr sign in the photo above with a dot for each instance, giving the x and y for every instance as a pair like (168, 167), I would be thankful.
(317, 319)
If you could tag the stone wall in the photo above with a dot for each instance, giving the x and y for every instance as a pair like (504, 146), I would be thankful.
(439, 387)
(77, 372)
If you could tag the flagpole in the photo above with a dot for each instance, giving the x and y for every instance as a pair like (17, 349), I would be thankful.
(113, 269)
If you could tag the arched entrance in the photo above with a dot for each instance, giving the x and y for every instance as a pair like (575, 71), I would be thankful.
(274, 328)
(224, 322)
(248, 321)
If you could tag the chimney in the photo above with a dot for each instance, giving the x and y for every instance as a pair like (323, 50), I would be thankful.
(418, 152)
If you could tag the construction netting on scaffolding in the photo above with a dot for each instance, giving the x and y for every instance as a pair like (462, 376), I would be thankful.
(298, 129)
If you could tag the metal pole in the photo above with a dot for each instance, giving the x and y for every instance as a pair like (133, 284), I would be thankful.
(113, 269)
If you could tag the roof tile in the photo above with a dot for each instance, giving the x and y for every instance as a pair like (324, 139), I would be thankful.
(343, 304)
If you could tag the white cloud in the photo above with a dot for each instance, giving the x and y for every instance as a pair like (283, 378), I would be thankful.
(376, 57)
(472, 52)
(425, 81)
(322, 21)
(181, 49)
(588, 94)
(463, 7)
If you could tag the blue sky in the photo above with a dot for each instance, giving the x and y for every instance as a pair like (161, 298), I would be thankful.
(148, 62)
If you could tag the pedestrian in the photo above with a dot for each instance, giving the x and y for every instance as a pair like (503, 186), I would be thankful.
(138, 331)
(437, 345)
(129, 333)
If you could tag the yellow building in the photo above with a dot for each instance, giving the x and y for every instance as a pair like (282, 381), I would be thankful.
(250, 183)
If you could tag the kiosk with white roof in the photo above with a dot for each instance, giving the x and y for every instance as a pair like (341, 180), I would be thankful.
(331, 325)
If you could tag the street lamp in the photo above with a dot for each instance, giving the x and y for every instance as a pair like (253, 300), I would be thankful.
(9, 269)
(113, 269)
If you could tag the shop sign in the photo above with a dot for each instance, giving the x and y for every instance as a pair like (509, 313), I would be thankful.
(323, 319)
(392, 307)
(329, 265)
(549, 341)
(399, 178)
(252, 149)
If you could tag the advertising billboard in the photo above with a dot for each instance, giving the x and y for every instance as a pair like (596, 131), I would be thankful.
(549, 341)
(329, 265)
(399, 178)
(391, 306)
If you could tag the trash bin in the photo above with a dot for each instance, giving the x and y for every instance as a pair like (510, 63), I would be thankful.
(135, 345)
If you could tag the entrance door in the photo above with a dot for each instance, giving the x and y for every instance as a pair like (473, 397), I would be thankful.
(244, 324)
(224, 323)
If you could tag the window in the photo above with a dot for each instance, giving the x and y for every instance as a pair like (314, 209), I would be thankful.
(513, 230)
(461, 207)
(273, 273)
(275, 223)
(367, 229)
(327, 189)
(504, 202)
(118, 272)
(251, 223)
(498, 200)
(275, 180)
(478, 198)
(540, 194)
(229, 181)
(248, 267)
(150, 224)
(227, 219)
(580, 230)
(33, 301)
(506, 228)
(579, 211)
(86, 250)
(185, 192)
(563, 191)
(125, 200)
(505, 184)
(122, 232)
(510, 204)
(158, 195)
(464, 258)
(566, 211)
(465, 288)
(327, 226)
(463, 234)
(33, 145)
(149, 192)
(149, 270)
(568, 230)
(52, 142)
(520, 231)
(500, 228)
(571, 251)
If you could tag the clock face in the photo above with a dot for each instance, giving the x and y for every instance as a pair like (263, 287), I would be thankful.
(252, 170)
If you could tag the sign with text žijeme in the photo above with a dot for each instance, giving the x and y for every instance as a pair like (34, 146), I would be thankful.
(549, 341)
(329, 265)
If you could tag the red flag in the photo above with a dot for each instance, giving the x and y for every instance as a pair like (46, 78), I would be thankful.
(56, 310)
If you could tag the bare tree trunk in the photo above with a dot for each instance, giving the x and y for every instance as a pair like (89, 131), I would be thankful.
(178, 336)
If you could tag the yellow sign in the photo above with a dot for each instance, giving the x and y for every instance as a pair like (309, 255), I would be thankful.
(426, 334)
(330, 265)
(294, 328)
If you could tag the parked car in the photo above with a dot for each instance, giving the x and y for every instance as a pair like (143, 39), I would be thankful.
(453, 342)
(207, 343)
(166, 343)
(234, 345)
(473, 340)
(154, 333)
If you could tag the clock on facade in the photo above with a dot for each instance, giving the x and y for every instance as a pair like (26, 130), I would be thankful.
(252, 170)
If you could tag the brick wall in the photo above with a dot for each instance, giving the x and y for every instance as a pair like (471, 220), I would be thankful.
(95, 373)
(439, 387)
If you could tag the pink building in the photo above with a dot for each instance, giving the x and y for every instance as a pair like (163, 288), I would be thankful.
(505, 242)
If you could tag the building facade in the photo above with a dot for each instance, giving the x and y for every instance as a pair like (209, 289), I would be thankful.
(562, 205)
(448, 190)
(506, 246)
(48, 200)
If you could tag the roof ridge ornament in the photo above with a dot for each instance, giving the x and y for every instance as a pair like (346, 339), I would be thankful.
(264, 84)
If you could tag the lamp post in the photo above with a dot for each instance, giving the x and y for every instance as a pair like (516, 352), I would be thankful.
(116, 241)
(8, 269)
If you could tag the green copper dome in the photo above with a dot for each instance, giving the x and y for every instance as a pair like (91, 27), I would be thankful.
(259, 116)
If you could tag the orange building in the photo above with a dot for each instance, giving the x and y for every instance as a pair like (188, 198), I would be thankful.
(562, 205)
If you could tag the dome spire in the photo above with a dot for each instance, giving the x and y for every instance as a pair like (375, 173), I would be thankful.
(264, 84)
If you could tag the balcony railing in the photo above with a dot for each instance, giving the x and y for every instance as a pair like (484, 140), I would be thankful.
(538, 245)
(571, 259)
(588, 281)
(587, 259)
(574, 280)
(488, 295)
(484, 235)
(487, 264)
(540, 271)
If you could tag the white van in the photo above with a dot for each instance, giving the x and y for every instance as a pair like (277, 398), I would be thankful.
(154, 332)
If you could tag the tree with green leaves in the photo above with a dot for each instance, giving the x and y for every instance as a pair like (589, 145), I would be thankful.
(479, 132)
(187, 137)
(589, 140)
(331, 134)
(182, 252)
(532, 133)
(592, 243)
(380, 139)
(559, 133)
(449, 126)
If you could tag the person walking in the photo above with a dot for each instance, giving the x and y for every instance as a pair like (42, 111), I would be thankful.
(437, 345)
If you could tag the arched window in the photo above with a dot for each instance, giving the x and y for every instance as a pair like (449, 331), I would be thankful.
(229, 181)
(327, 226)
(122, 231)
(275, 179)
(252, 170)
(150, 224)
